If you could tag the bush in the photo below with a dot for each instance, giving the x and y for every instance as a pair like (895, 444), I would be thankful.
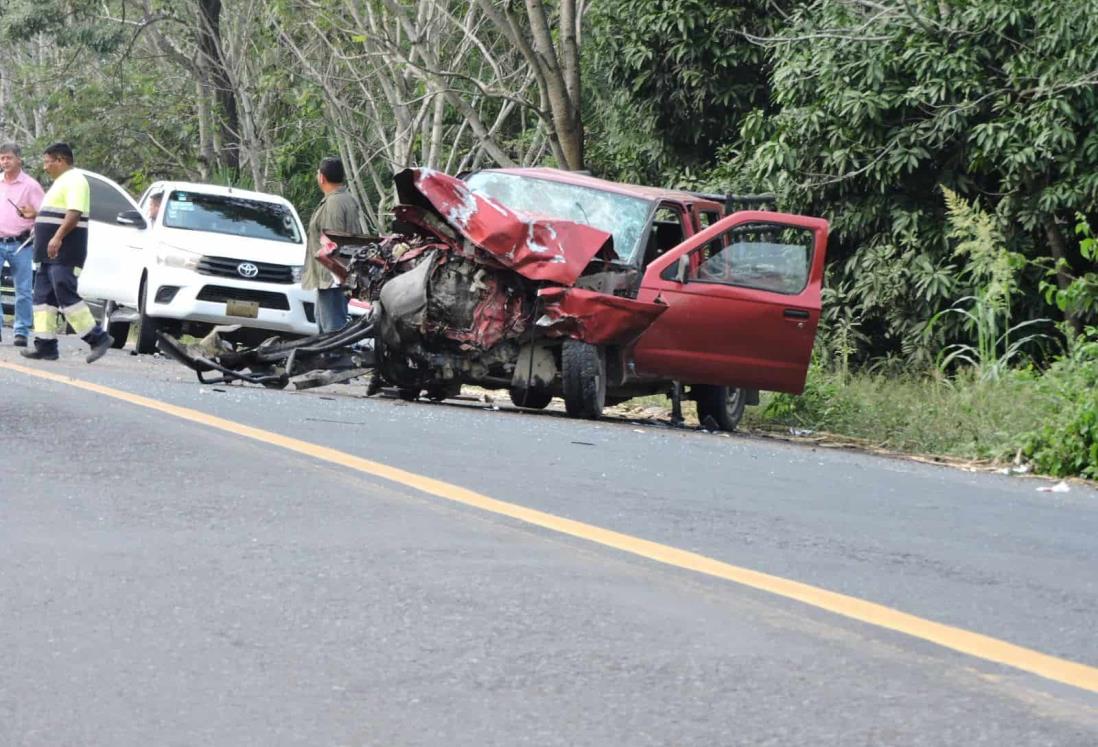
(1067, 444)
(822, 402)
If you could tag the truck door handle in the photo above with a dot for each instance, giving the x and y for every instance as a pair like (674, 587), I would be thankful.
(795, 314)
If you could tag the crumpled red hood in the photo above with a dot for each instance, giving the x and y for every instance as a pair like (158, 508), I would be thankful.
(555, 251)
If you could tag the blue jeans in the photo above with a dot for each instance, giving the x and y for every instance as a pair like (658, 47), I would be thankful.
(331, 309)
(21, 272)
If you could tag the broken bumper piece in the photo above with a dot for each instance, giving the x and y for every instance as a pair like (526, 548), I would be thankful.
(276, 363)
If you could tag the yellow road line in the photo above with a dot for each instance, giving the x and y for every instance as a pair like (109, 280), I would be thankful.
(974, 644)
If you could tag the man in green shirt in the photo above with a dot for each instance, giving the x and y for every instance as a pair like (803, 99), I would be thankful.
(337, 211)
(60, 248)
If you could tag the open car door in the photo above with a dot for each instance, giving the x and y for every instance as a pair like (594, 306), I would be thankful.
(743, 300)
(113, 269)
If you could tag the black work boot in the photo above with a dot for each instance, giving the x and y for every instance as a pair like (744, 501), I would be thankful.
(375, 385)
(100, 347)
(20, 341)
(44, 350)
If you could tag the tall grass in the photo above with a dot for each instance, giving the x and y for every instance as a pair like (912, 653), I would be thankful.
(994, 344)
(965, 416)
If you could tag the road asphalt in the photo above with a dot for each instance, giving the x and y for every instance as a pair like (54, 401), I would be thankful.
(168, 583)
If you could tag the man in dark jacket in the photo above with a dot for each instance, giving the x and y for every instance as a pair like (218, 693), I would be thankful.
(337, 211)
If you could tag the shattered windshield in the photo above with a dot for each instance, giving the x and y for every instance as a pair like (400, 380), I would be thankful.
(622, 216)
(236, 216)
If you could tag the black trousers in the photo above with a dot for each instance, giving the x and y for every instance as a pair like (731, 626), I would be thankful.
(55, 290)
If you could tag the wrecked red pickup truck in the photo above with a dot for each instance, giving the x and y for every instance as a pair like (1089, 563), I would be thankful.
(551, 283)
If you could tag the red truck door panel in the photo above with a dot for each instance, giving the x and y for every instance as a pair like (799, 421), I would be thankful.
(743, 301)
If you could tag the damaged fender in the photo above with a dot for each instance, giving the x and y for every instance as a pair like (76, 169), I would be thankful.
(597, 318)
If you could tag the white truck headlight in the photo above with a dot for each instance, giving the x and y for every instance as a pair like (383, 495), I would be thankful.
(172, 257)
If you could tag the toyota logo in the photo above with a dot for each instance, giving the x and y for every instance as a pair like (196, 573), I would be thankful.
(247, 270)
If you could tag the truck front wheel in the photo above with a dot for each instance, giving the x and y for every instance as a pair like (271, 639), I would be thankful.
(583, 376)
(119, 331)
(146, 325)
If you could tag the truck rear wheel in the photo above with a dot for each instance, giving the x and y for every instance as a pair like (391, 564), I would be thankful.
(583, 375)
(722, 404)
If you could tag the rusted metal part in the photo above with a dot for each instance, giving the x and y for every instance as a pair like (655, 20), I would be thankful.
(593, 317)
(555, 251)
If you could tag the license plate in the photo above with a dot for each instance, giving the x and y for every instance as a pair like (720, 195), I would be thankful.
(246, 309)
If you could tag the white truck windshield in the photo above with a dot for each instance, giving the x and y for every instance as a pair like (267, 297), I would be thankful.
(194, 211)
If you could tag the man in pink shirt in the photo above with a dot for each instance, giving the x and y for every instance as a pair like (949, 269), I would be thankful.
(20, 195)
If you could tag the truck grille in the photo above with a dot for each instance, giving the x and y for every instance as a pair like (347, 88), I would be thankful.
(227, 268)
(265, 299)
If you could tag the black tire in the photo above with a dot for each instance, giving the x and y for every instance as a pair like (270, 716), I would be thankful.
(146, 325)
(441, 390)
(722, 404)
(583, 375)
(119, 331)
(531, 398)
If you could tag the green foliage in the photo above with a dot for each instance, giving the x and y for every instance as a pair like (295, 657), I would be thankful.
(993, 352)
(683, 67)
(1066, 442)
(623, 141)
(821, 402)
(134, 126)
(994, 345)
(72, 24)
(963, 417)
(1080, 297)
(883, 105)
(990, 265)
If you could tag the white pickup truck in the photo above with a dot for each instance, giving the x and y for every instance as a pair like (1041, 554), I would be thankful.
(212, 255)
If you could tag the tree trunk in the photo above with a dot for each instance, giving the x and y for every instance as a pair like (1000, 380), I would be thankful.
(557, 74)
(572, 144)
(1058, 247)
(205, 135)
(210, 57)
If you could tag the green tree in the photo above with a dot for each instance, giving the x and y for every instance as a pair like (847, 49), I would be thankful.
(674, 78)
(879, 104)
